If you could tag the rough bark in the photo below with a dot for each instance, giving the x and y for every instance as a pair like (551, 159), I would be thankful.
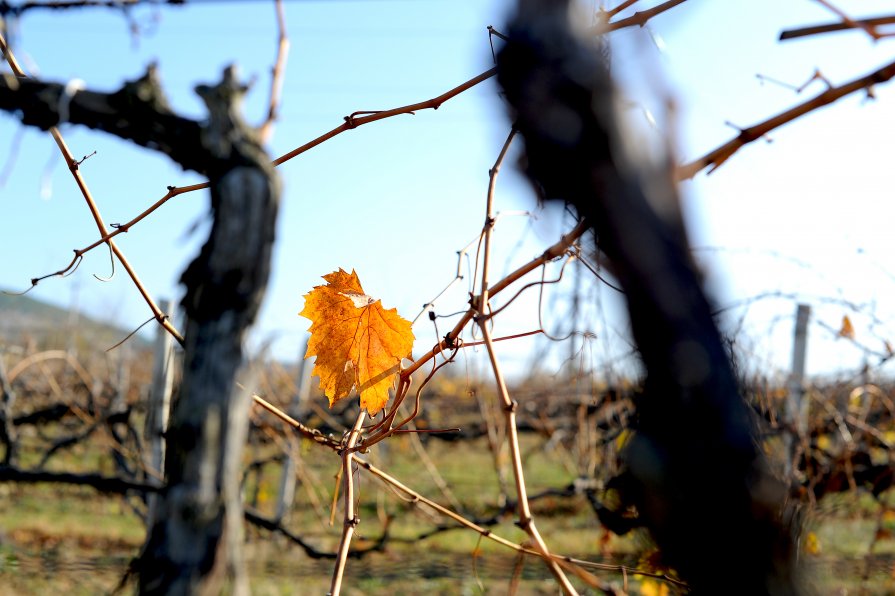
(693, 469)
(224, 288)
(194, 544)
(8, 434)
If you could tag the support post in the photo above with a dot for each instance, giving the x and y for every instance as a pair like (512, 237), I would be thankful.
(286, 494)
(8, 435)
(159, 404)
(796, 406)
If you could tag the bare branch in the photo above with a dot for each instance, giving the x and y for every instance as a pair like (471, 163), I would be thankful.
(67, 94)
(717, 157)
(15, 10)
(255, 518)
(846, 19)
(639, 19)
(353, 121)
(350, 520)
(137, 112)
(279, 69)
(548, 255)
(104, 484)
(833, 27)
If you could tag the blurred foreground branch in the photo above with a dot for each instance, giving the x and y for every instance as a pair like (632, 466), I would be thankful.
(692, 468)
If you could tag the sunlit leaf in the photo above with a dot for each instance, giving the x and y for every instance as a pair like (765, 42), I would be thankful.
(847, 330)
(812, 544)
(889, 436)
(623, 437)
(650, 587)
(358, 343)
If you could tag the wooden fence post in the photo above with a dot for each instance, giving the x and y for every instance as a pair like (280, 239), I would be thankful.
(796, 406)
(8, 435)
(286, 494)
(159, 404)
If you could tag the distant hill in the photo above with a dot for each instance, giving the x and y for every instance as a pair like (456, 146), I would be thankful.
(24, 320)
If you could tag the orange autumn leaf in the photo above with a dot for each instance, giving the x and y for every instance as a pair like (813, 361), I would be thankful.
(358, 343)
(847, 330)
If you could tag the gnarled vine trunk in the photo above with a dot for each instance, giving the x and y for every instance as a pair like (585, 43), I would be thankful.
(196, 537)
(194, 542)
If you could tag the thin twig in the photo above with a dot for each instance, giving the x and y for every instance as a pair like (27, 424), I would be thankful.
(867, 28)
(620, 7)
(470, 344)
(72, 163)
(310, 433)
(414, 496)
(279, 68)
(526, 521)
(131, 334)
(351, 122)
(553, 252)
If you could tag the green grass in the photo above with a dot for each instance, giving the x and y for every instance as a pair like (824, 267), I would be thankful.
(56, 539)
(74, 532)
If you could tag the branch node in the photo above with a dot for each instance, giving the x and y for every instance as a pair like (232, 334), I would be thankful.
(450, 343)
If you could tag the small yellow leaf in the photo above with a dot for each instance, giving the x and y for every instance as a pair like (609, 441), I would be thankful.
(358, 343)
(812, 544)
(889, 436)
(650, 587)
(623, 437)
(847, 330)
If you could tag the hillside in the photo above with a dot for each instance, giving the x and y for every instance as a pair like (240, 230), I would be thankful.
(24, 320)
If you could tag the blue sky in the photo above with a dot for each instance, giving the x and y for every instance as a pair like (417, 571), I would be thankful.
(808, 215)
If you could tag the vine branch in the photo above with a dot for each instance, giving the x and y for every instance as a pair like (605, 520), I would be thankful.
(715, 158)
